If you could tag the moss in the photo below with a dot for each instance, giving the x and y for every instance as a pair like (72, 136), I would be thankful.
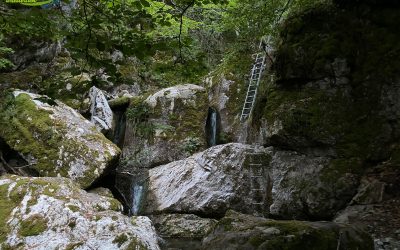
(73, 208)
(326, 119)
(348, 118)
(118, 102)
(292, 234)
(34, 225)
(120, 239)
(72, 246)
(72, 224)
(338, 167)
(135, 245)
(236, 69)
(23, 128)
(30, 131)
(6, 206)
(115, 205)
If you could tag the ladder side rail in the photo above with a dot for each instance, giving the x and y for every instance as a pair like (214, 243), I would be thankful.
(247, 94)
(256, 90)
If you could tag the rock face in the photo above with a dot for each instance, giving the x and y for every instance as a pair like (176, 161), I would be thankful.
(182, 231)
(53, 213)
(101, 113)
(208, 183)
(183, 225)
(226, 95)
(308, 187)
(239, 231)
(54, 139)
(376, 206)
(169, 125)
(283, 184)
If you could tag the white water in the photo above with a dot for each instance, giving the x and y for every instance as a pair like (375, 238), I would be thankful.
(137, 198)
(213, 123)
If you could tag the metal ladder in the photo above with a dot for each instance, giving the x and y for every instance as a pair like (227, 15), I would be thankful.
(257, 182)
(255, 77)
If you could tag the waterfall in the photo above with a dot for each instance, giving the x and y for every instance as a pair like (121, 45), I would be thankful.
(212, 127)
(137, 193)
(213, 138)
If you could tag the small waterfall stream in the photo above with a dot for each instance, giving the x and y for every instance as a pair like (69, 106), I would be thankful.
(137, 195)
(131, 177)
(212, 127)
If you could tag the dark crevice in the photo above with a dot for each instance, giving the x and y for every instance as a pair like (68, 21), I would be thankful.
(109, 181)
(204, 215)
(12, 162)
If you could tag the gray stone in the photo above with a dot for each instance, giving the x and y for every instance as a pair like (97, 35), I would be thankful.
(239, 231)
(182, 225)
(308, 186)
(208, 183)
(101, 113)
(53, 213)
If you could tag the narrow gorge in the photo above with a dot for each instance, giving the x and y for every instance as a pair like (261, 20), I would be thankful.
(200, 125)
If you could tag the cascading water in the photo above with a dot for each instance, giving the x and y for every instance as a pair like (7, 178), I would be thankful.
(137, 194)
(212, 127)
(213, 139)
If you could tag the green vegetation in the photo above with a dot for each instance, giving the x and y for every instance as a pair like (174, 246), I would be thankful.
(34, 225)
(120, 239)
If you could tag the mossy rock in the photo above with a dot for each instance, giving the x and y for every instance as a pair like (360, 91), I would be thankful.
(330, 92)
(166, 126)
(239, 231)
(54, 213)
(55, 139)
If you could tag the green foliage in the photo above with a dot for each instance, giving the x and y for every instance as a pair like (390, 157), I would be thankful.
(138, 113)
(4, 51)
(191, 145)
(139, 159)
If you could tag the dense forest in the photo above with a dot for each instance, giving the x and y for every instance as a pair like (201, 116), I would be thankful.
(200, 124)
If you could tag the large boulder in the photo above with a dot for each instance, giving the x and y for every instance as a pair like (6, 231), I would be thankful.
(167, 126)
(239, 231)
(54, 139)
(53, 213)
(182, 225)
(284, 184)
(182, 231)
(210, 182)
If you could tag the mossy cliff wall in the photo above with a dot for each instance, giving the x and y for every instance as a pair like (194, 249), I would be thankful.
(337, 82)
